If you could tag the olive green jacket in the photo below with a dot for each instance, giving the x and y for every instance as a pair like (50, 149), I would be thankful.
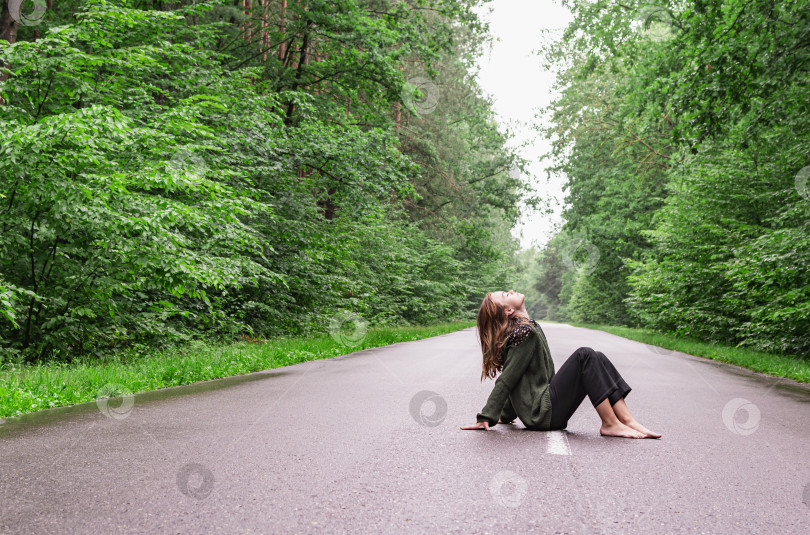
(522, 387)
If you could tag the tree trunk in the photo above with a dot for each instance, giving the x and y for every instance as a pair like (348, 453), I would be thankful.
(328, 205)
(8, 32)
(265, 31)
(249, 13)
(282, 48)
(302, 60)
(8, 26)
(398, 106)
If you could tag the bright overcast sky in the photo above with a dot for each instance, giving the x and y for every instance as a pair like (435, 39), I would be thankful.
(513, 75)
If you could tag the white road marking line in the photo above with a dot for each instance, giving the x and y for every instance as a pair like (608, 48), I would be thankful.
(557, 443)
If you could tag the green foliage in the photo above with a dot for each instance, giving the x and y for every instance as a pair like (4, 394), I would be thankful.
(615, 163)
(682, 132)
(726, 265)
(192, 172)
(116, 218)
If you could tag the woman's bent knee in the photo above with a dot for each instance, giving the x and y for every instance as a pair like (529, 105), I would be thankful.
(588, 353)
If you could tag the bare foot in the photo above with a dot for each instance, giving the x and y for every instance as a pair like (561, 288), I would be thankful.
(638, 427)
(620, 430)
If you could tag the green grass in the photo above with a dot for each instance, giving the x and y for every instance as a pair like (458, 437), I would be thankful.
(794, 368)
(25, 389)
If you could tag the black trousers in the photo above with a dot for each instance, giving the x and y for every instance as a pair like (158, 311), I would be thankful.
(585, 373)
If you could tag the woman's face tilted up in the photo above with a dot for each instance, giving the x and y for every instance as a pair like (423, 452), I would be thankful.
(510, 301)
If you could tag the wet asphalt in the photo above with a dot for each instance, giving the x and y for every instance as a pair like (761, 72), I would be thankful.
(370, 443)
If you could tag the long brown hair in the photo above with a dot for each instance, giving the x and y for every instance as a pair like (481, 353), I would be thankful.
(494, 327)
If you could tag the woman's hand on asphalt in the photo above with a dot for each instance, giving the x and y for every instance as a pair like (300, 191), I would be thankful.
(479, 425)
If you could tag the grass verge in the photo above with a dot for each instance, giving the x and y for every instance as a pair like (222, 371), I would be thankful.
(794, 368)
(25, 389)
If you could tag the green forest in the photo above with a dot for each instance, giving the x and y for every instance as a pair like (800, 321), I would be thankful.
(246, 169)
(683, 131)
(241, 170)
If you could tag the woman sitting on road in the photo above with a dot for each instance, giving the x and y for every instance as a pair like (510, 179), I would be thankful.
(514, 345)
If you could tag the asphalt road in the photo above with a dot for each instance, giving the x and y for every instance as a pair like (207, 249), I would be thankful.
(370, 443)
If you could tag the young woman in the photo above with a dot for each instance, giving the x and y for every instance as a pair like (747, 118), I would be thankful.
(514, 345)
